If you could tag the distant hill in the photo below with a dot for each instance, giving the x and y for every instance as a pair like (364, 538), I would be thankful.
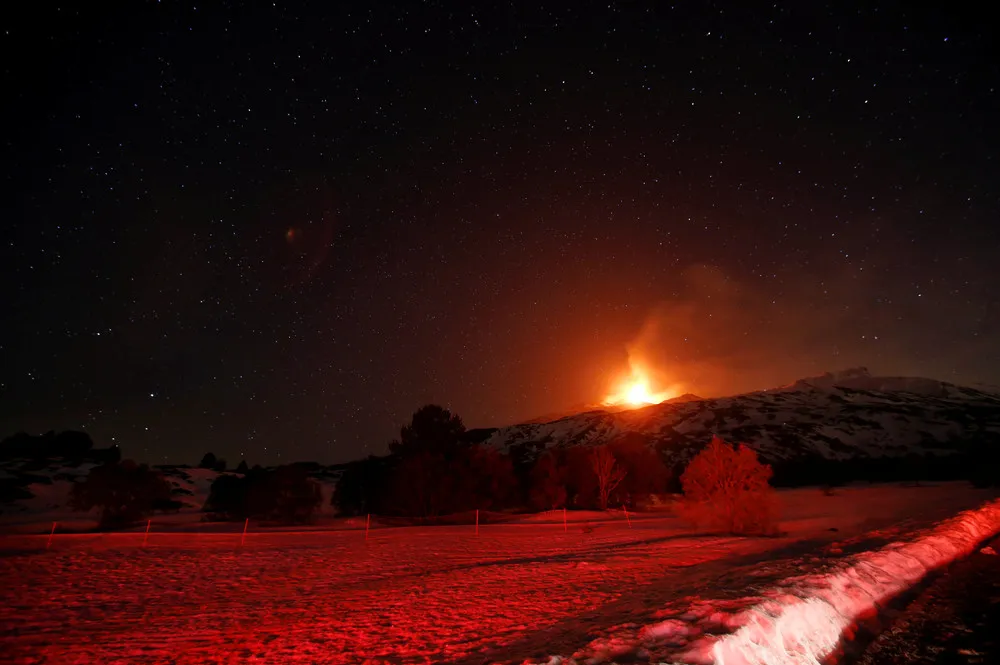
(33, 488)
(840, 416)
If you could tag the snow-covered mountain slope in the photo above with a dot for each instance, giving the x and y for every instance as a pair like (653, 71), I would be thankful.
(836, 416)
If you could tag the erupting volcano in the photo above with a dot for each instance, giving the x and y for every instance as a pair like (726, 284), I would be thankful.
(635, 391)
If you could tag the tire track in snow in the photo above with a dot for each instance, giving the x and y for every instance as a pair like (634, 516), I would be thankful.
(730, 578)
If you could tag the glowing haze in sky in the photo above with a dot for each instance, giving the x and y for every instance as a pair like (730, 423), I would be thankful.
(275, 231)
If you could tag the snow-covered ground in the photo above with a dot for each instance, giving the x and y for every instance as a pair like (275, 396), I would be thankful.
(519, 591)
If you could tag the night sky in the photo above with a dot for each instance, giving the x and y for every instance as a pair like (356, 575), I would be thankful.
(276, 232)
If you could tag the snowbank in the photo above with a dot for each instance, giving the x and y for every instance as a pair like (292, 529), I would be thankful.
(802, 620)
(797, 619)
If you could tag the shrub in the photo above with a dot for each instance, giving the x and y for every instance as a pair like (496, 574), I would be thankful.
(727, 487)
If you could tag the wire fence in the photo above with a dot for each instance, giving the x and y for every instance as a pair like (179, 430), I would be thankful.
(154, 532)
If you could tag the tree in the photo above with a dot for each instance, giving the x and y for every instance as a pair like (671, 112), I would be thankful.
(286, 494)
(578, 473)
(227, 498)
(484, 479)
(362, 486)
(728, 488)
(421, 485)
(72, 444)
(242, 467)
(112, 455)
(548, 483)
(426, 449)
(125, 492)
(645, 472)
(208, 461)
(432, 429)
(295, 496)
(608, 472)
(219, 466)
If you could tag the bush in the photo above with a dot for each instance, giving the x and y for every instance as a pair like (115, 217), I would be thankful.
(727, 487)
(125, 492)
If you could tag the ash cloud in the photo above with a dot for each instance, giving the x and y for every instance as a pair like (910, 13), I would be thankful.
(719, 336)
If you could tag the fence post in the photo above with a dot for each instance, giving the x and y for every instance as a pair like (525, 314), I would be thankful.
(477, 521)
(627, 517)
(245, 525)
(368, 523)
(148, 522)
(49, 543)
(564, 519)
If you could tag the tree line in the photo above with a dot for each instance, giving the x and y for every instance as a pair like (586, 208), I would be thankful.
(433, 469)
(437, 468)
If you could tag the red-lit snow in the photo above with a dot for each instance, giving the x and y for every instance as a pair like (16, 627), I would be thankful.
(516, 592)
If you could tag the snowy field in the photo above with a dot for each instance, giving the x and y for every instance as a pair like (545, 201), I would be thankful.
(517, 592)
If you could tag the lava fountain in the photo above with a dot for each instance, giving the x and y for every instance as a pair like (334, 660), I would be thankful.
(634, 391)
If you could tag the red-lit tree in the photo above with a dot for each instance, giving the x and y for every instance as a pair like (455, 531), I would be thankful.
(608, 472)
(727, 487)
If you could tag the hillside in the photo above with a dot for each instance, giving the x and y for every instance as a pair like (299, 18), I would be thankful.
(835, 416)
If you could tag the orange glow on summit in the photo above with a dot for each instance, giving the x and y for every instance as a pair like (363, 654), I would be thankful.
(635, 391)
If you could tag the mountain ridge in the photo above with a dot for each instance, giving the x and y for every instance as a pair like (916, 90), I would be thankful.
(834, 416)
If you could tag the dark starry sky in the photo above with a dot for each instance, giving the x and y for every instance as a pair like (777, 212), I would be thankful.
(280, 230)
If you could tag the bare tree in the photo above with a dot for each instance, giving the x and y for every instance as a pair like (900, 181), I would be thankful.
(609, 474)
